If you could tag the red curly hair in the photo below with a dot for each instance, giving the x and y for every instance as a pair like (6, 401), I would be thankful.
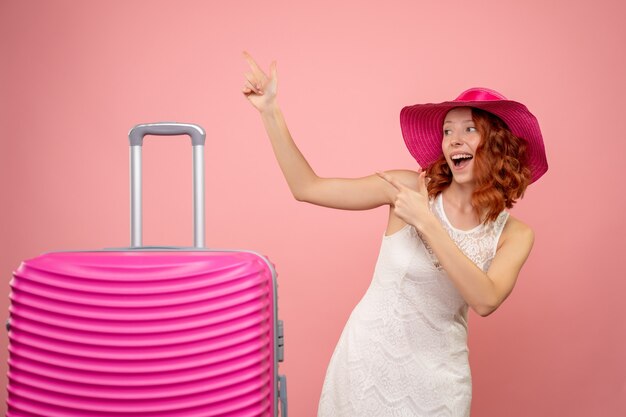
(500, 169)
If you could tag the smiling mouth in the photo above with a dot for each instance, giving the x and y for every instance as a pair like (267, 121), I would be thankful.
(460, 161)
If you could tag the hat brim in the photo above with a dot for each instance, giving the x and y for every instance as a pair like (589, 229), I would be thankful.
(422, 124)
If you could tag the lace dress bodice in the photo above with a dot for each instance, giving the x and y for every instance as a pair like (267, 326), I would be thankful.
(404, 349)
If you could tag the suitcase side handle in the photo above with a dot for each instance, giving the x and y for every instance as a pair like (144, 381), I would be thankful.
(135, 137)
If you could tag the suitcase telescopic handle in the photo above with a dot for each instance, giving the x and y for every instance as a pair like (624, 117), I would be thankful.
(135, 137)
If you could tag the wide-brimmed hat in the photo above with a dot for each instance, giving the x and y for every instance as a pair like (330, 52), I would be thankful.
(422, 126)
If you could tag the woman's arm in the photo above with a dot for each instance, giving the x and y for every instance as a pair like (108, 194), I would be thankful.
(342, 193)
(483, 292)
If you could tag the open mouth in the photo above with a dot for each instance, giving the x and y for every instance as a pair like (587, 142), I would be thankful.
(461, 160)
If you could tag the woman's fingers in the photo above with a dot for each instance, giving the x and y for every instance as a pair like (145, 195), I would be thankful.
(391, 180)
(253, 65)
(248, 89)
(253, 83)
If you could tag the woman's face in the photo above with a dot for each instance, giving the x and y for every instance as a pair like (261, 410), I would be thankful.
(460, 140)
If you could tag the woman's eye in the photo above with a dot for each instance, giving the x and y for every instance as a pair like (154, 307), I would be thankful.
(446, 132)
(471, 129)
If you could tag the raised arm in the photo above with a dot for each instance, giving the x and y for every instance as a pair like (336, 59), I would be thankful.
(342, 193)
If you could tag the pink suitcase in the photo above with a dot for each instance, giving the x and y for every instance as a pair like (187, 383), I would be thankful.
(146, 331)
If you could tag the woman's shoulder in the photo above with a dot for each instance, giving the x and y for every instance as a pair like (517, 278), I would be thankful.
(517, 231)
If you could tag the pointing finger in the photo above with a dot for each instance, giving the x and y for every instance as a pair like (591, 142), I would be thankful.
(252, 62)
(391, 180)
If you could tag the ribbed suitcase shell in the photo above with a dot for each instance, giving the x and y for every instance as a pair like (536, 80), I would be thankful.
(143, 333)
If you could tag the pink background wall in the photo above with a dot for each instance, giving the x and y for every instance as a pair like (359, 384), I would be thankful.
(76, 75)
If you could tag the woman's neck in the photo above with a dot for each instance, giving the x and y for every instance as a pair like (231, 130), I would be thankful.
(459, 196)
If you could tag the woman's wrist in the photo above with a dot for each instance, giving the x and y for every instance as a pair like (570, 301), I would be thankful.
(270, 109)
(427, 224)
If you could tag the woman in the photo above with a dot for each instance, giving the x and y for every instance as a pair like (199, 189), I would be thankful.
(449, 245)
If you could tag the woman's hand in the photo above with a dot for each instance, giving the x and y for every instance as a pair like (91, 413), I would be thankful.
(260, 89)
(410, 205)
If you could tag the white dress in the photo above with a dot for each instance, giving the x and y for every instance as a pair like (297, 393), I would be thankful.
(403, 351)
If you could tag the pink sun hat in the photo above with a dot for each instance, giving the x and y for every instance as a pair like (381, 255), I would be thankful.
(422, 126)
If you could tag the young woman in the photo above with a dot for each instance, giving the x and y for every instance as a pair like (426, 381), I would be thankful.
(450, 245)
